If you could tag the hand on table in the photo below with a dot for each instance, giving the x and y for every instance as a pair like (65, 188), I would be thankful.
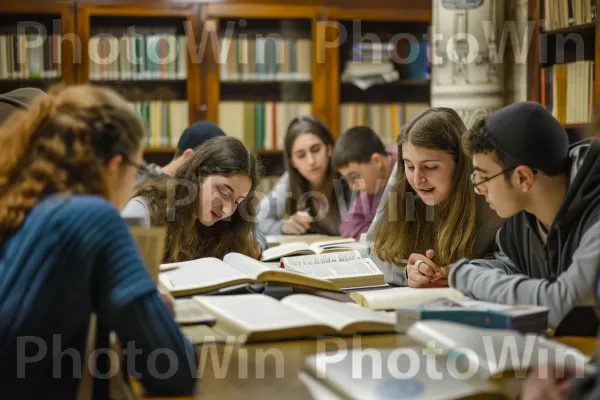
(298, 224)
(549, 382)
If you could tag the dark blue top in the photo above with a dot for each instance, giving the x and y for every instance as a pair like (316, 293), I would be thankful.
(73, 256)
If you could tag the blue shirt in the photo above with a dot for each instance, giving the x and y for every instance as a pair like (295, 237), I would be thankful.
(72, 256)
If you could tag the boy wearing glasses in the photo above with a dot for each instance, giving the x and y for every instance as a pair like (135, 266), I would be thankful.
(549, 193)
(361, 158)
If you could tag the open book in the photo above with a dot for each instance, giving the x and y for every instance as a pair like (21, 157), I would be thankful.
(381, 373)
(210, 274)
(496, 353)
(456, 362)
(348, 269)
(301, 248)
(390, 299)
(257, 317)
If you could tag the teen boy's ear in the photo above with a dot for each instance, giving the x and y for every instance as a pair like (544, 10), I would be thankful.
(525, 177)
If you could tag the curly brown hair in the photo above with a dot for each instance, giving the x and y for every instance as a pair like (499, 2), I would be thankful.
(60, 145)
(187, 238)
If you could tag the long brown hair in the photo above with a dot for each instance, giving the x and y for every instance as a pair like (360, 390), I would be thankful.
(298, 185)
(60, 145)
(187, 238)
(452, 233)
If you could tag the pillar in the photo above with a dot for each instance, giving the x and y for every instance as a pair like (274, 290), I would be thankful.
(466, 70)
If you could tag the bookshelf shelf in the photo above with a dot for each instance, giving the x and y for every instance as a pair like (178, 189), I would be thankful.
(160, 149)
(562, 63)
(293, 91)
(582, 29)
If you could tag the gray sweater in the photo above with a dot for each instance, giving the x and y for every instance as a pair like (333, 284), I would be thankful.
(137, 208)
(559, 274)
(487, 224)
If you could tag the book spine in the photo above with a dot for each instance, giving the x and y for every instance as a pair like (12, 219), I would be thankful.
(477, 318)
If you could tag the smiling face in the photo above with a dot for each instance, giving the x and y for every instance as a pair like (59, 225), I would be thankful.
(219, 196)
(310, 156)
(429, 172)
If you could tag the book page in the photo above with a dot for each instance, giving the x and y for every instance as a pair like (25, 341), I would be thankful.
(337, 314)
(403, 373)
(328, 243)
(389, 299)
(151, 242)
(208, 273)
(488, 345)
(301, 261)
(349, 268)
(277, 252)
(248, 313)
(189, 312)
(248, 265)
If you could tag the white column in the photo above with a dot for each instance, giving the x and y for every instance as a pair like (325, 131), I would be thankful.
(467, 72)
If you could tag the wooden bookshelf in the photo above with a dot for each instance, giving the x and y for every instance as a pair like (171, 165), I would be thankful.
(154, 69)
(56, 19)
(563, 52)
(203, 86)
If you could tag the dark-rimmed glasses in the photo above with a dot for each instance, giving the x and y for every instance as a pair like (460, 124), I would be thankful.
(476, 184)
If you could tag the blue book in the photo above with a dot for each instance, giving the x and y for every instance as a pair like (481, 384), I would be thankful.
(525, 319)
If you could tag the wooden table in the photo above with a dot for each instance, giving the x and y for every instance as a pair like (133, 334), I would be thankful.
(270, 370)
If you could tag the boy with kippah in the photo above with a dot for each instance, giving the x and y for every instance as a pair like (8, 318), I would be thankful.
(549, 193)
(361, 158)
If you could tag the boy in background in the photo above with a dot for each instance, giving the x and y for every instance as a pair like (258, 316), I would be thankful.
(361, 158)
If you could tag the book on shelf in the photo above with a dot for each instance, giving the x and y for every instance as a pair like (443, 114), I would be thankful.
(206, 275)
(523, 318)
(28, 56)
(257, 317)
(453, 361)
(165, 121)
(392, 298)
(567, 91)
(267, 58)
(149, 54)
(560, 14)
(385, 119)
(260, 125)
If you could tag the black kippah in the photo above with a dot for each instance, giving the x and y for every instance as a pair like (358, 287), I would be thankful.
(528, 133)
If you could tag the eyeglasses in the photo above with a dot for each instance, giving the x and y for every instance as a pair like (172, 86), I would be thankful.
(143, 167)
(476, 184)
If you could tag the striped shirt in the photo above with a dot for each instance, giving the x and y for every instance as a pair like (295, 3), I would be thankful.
(71, 257)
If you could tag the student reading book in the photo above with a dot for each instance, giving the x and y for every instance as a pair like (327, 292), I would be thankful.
(257, 317)
(66, 255)
(550, 194)
(361, 158)
(210, 211)
(430, 214)
(209, 274)
(310, 197)
(301, 248)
